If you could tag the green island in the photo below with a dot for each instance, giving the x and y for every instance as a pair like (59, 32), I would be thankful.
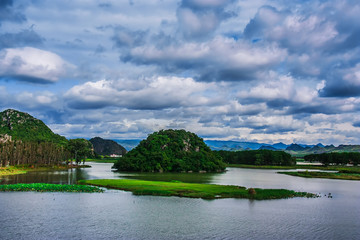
(194, 190)
(342, 175)
(171, 151)
(47, 187)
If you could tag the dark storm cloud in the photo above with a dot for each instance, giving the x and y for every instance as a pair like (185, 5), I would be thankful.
(20, 39)
(340, 90)
(9, 13)
(105, 5)
(272, 129)
(126, 38)
(24, 78)
(198, 19)
(356, 124)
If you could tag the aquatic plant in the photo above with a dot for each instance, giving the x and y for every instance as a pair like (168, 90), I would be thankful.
(47, 187)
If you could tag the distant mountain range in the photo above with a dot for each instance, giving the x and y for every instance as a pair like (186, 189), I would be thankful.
(294, 149)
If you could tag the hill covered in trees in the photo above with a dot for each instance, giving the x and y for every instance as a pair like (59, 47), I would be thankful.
(258, 157)
(24, 127)
(171, 151)
(107, 147)
(25, 140)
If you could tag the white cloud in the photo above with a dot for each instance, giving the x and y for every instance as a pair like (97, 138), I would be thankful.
(157, 93)
(281, 87)
(32, 64)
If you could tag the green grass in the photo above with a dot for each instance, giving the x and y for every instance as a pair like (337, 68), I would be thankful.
(11, 171)
(260, 166)
(22, 169)
(192, 190)
(46, 187)
(103, 160)
(329, 175)
(352, 169)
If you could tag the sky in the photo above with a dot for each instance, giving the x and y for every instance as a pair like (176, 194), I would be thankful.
(248, 70)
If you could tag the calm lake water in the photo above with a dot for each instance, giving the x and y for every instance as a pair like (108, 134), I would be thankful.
(121, 215)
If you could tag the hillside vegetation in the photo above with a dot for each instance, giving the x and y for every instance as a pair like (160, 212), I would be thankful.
(171, 151)
(25, 140)
(107, 147)
(258, 157)
(24, 127)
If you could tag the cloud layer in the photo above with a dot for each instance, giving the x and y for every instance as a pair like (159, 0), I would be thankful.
(267, 70)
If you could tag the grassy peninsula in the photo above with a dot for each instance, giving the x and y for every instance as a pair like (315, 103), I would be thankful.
(46, 187)
(330, 175)
(193, 190)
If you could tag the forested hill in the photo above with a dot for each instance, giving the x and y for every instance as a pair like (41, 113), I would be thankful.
(24, 127)
(171, 151)
(107, 147)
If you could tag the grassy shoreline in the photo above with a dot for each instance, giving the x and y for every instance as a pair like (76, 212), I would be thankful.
(327, 175)
(352, 169)
(106, 160)
(192, 190)
(13, 170)
(47, 187)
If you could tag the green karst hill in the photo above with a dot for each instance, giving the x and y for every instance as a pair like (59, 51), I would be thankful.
(171, 151)
(107, 147)
(25, 140)
(24, 127)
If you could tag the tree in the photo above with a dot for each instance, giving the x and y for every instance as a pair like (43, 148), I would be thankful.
(80, 149)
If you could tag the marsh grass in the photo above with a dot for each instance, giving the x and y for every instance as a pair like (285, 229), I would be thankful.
(104, 160)
(11, 171)
(46, 187)
(344, 169)
(22, 169)
(193, 190)
(328, 175)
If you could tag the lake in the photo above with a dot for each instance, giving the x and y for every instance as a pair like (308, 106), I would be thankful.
(121, 215)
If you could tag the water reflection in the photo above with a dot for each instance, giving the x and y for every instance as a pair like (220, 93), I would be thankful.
(58, 177)
(103, 170)
(121, 215)
(182, 177)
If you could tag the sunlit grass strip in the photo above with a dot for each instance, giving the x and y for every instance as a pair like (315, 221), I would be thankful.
(11, 171)
(347, 169)
(102, 160)
(192, 190)
(46, 187)
(328, 175)
(22, 169)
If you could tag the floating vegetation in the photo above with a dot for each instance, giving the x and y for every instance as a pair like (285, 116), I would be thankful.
(47, 187)
(329, 175)
(193, 190)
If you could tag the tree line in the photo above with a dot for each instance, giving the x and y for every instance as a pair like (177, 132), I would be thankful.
(32, 153)
(334, 158)
(39, 153)
(257, 157)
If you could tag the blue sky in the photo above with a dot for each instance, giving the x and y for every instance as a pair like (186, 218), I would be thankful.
(248, 70)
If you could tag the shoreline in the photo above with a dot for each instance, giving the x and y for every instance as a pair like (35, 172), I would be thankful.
(14, 170)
